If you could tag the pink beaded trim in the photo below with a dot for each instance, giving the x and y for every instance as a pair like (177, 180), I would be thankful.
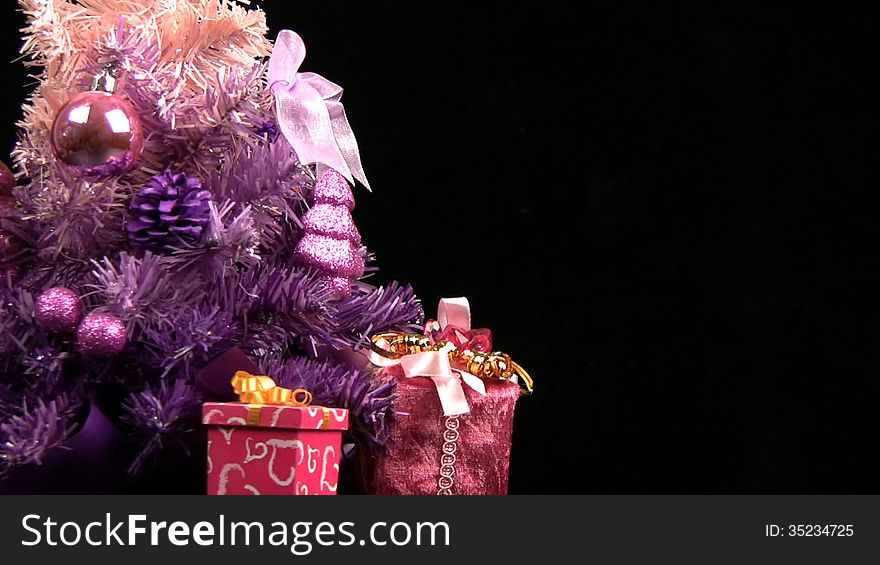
(447, 459)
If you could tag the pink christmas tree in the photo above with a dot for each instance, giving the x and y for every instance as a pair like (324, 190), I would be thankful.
(162, 173)
(331, 244)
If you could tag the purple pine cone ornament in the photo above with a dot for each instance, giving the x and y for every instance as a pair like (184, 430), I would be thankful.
(171, 210)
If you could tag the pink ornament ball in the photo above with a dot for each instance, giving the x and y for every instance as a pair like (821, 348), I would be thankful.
(101, 335)
(97, 135)
(58, 309)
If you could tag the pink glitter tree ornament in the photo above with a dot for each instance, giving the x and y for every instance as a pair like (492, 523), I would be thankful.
(331, 241)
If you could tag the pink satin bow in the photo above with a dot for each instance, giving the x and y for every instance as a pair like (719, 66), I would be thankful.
(435, 364)
(309, 111)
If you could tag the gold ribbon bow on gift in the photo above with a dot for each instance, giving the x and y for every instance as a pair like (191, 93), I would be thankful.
(497, 365)
(254, 389)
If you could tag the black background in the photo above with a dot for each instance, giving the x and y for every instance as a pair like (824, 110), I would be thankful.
(666, 211)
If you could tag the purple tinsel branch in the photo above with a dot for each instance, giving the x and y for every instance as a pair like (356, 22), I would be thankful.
(142, 290)
(391, 308)
(16, 323)
(32, 360)
(27, 436)
(262, 171)
(64, 218)
(126, 47)
(63, 271)
(44, 367)
(340, 386)
(280, 239)
(190, 129)
(282, 307)
(229, 241)
(225, 119)
(195, 336)
(159, 418)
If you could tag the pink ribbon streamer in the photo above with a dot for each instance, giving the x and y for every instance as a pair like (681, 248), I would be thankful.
(435, 364)
(310, 114)
(454, 312)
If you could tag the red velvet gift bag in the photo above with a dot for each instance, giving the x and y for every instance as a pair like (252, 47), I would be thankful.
(266, 449)
(430, 453)
(452, 430)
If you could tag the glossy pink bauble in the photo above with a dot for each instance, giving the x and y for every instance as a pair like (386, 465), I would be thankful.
(97, 135)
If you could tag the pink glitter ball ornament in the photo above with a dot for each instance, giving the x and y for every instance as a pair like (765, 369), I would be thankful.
(58, 309)
(97, 135)
(101, 335)
(331, 242)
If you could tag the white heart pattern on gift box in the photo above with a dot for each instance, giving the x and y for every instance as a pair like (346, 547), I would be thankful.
(259, 460)
(332, 452)
(251, 456)
(258, 450)
(277, 444)
(224, 479)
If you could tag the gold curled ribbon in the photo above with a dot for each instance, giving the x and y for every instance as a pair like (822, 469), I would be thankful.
(260, 389)
(394, 345)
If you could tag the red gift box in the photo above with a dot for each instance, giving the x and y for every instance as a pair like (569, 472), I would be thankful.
(268, 449)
